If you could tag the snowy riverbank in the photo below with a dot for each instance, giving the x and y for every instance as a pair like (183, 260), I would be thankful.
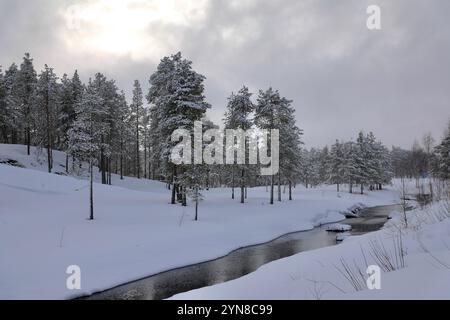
(319, 274)
(136, 233)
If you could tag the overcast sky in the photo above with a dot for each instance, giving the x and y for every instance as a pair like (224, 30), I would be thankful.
(319, 53)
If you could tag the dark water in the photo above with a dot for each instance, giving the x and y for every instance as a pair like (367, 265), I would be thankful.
(241, 261)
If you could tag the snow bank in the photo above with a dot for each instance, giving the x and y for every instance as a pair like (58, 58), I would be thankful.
(318, 274)
(354, 211)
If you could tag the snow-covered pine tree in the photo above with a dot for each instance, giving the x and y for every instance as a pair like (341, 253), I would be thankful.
(370, 159)
(137, 115)
(351, 175)
(106, 90)
(177, 99)
(237, 116)
(290, 143)
(266, 117)
(324, 165)
(385, 172)
(124, 132)
(12, 112)
(361, 159)
(337, 164)
(315, 156)
(146, 141)
(4, 114)
(306, 167)
(443, 157)
(86, 137)
(196, 176)
(157, 98)
(25, 86)
(70, 94)
(44, 111)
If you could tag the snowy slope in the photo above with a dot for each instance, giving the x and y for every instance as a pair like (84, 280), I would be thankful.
(313, 274)
(136, 233)
(38, 161)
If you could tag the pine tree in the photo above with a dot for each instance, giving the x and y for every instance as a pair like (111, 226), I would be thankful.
(4, 114)
(106, 91)
(26, 83)
(12, 112)
(45, 107)
(443, 157)
(177, 99)
(265, 118)
(237, 115)
(158, 98)
(87, 133)
(351, 173)
(146, 140)
(361, 159)
(137, 114)
(70, 95)
(125, 132)
(337, 164)
(324, 165)
(290, 143)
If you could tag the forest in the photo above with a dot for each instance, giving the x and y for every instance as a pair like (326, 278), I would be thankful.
(93, 122)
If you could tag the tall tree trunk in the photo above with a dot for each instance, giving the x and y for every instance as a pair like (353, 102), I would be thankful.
(109, 171)
(232, 182)
(242, 186)
(350, 186)
(279, 186)
(196, 203)
(271, 188)
(102, 166)
(362, 188)
(145, 158)
(91, 170)
(28, 139)
(183, 191)
(91, 189)
(121, 166)
(290, 190)
(337, 187)
(67, 163)
(137, 145)
(431, 190)
(174, 177)
(47, 116)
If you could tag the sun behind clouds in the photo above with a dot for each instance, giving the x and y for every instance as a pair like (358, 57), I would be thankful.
(129, 27)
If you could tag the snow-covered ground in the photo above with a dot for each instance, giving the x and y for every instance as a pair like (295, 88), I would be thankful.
(319, 274)
(136, 232)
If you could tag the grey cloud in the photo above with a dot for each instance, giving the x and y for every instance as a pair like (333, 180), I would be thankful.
(341, 76)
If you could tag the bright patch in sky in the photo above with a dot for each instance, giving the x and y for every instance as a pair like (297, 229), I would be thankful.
(129, 27)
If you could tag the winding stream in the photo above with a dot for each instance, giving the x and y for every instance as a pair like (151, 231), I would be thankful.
(241, 261)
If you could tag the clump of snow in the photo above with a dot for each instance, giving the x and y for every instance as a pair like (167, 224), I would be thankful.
(354, 211)
(342, 236)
